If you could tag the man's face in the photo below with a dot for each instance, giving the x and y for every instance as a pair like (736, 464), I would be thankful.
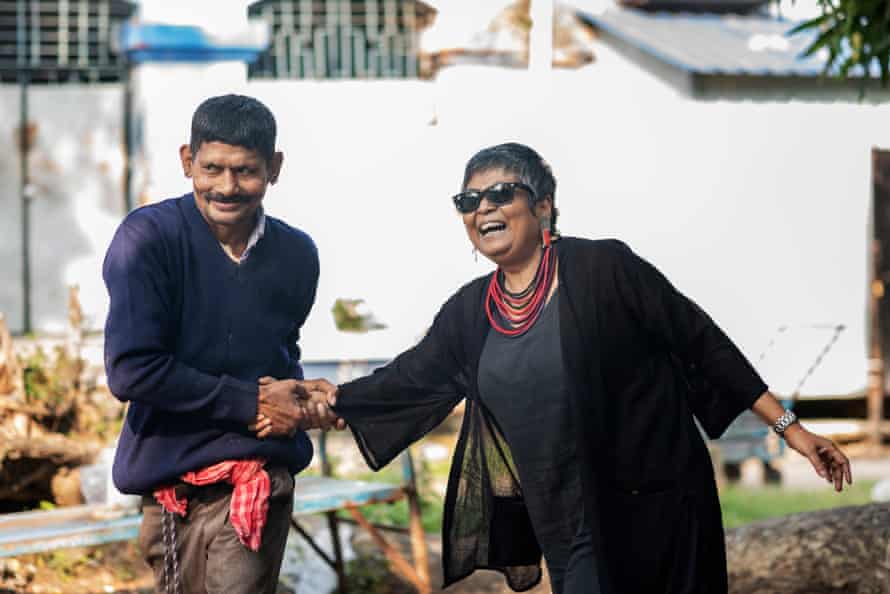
(229, 181)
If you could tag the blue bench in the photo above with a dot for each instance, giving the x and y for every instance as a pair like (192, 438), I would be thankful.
(82, 525)
(89, 525)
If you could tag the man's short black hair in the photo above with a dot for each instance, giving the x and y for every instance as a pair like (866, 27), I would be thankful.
(237, 120)
(521, 160)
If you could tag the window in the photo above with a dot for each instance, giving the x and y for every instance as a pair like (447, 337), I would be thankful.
(61, 40)
(326, 39)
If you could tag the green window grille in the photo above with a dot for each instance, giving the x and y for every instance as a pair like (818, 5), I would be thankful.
(61, 40)
(340, 39)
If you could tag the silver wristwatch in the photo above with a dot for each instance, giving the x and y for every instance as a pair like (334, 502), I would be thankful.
(787, 419)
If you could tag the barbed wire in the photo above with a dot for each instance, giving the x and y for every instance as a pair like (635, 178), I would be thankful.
(836, 329)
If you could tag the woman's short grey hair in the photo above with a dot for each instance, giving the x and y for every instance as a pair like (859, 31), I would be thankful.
(522, 161)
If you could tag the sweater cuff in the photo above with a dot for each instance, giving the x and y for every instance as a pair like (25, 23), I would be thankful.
(236, 400)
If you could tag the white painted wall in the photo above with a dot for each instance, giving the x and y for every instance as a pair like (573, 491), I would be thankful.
(77, 174)
(165, 97)
(757, 210)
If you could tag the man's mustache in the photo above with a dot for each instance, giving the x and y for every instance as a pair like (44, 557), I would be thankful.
(228, 199)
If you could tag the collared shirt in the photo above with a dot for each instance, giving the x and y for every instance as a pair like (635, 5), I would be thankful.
(255, 236)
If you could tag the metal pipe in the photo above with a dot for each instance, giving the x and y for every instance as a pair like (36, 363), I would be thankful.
(25, 176)
(128, 137)
(311, 542)
(383, 527)
(876, 371)
(326, 470)
(24, 74)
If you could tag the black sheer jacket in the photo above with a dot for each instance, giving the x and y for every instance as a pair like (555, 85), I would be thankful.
(640, 361)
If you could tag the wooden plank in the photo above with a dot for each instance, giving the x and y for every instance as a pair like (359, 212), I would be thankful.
(879, 306)
(396, 559)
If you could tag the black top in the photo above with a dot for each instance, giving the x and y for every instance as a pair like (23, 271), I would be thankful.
(521, 383)
(640, 359)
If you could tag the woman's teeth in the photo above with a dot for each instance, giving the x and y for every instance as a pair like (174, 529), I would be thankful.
(489, 227)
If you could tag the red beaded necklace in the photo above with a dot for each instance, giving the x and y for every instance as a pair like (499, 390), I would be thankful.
(520, 310)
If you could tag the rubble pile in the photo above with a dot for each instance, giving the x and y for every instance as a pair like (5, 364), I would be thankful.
(55, 416)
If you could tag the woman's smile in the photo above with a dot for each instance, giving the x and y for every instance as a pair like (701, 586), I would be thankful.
(492, 228)
(492, 231)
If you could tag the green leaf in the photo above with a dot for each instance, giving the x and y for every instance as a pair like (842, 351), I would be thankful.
(821, 41)
(855, 33)
(810, 24)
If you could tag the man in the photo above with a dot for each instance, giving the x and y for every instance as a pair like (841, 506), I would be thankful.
(208, 295)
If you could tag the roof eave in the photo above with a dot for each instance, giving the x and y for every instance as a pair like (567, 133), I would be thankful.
(714, 86)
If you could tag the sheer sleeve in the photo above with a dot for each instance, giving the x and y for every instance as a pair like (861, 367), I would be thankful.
(398, 404)
(722, 382)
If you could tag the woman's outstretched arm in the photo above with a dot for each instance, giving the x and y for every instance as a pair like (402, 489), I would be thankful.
(825, 456)
(398, 404)
(707, 353)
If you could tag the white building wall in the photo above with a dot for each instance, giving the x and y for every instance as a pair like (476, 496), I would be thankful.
(78, 199)
(757, 210)
(165, 97)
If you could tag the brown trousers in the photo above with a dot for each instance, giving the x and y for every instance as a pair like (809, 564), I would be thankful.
(211, 559)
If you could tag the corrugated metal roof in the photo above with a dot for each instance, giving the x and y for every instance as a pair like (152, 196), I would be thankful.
(714, 44)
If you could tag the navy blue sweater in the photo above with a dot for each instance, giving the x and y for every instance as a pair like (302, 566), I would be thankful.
(188, 334)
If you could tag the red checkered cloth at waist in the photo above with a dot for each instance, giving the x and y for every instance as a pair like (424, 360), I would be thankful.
(250, 496)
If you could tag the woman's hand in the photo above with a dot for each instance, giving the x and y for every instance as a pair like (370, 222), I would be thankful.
(321, 388)
(828, 460)
(322, 398)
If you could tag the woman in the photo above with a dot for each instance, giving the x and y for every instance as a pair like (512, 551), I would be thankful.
(582, 368)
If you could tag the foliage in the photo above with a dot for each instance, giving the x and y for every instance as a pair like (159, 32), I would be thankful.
(371, 575)
(59, 397)
(396, 514)
(64, 562)
(856, 36)
(51, 380)
(743, 505)
(352, 315)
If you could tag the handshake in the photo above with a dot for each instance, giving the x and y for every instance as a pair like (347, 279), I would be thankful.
(286, 406)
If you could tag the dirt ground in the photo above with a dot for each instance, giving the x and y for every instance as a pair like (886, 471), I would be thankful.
(119, 569)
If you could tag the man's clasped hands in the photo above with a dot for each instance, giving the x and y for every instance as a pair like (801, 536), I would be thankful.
(287, 406)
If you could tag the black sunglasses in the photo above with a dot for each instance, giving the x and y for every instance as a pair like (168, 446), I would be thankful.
(499, 194)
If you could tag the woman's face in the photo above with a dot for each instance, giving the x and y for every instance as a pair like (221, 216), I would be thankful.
(510, 234)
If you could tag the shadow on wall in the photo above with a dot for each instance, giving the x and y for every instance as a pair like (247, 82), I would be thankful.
(76, 170)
